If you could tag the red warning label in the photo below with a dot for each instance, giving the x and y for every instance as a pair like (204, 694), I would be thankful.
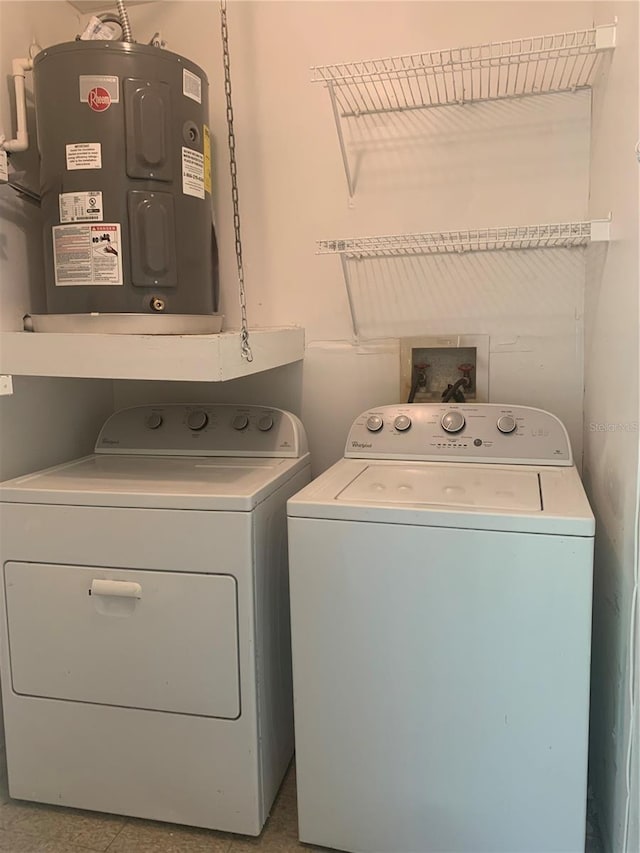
(99, 99)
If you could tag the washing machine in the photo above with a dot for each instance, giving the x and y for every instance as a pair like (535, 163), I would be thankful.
(441, 580)
(145, 656)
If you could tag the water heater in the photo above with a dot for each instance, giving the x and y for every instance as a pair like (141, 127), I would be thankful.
(125, 185)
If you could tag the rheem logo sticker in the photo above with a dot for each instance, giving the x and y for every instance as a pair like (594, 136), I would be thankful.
(99, 99)
(99, 91)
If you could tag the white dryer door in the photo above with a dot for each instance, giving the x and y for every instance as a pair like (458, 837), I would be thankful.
(140, 639)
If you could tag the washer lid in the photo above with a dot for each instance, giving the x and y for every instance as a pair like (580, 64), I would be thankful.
(470, 496)
(159, 482)
(468, 486)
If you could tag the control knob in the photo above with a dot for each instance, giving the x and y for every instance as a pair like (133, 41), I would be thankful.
(452, 421)
(153, 421)
(240, 422)
(402, 423)
(506, 424)
(265, 423)
(197, 420)
(374, 423)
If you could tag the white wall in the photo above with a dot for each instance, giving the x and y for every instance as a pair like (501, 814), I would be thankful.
(491, 164)
(46, 420)
(611, 400)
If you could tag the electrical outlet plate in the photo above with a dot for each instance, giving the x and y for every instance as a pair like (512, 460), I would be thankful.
(444, 353)
(6, 385)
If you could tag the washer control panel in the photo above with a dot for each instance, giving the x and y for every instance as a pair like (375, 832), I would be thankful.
(210, 429)
(481, 432)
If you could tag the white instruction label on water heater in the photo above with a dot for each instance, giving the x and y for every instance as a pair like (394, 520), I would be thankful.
(81, 207)
(192, 173)
(87, 254)
(191, 86)
(84, 155)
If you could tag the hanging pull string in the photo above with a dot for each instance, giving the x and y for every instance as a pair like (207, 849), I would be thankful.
(244, 334)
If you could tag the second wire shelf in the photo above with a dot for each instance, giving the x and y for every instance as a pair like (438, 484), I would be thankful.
(548, 236)
(560, 235)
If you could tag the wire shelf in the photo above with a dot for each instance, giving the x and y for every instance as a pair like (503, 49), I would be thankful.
(550, 236)
(561, 235)
(536, 65)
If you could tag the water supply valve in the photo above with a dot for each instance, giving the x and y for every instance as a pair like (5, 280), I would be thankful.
(421, 374)
(419, 380)
(467, 374)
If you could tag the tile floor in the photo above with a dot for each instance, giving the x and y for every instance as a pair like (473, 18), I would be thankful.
(33, 828)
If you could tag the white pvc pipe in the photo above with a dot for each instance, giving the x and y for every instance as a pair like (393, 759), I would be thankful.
(21, 141)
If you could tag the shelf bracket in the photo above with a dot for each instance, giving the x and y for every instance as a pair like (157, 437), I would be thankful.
(605, 37)
(343, 147)
(352, 309)
(601, 230)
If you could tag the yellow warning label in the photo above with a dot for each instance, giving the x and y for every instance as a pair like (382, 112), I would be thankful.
(207, 158)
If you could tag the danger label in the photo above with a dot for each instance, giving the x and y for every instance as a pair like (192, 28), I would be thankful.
(192, 173)
(87, 254)
(191, 86)
(84, 155)
(81, 207)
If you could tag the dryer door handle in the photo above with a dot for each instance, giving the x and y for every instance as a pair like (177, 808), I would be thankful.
(121, 589)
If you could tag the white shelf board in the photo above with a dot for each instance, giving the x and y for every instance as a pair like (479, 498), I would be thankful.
(185, 358)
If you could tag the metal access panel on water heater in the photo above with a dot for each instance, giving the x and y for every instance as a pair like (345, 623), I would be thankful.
(123, 132)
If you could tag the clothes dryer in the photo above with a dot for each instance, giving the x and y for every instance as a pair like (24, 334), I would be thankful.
(441, 579)
(145, 652)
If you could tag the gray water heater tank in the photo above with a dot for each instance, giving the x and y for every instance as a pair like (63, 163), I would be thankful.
(123, 133)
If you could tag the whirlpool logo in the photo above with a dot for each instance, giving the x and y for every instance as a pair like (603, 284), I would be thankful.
(363, 445)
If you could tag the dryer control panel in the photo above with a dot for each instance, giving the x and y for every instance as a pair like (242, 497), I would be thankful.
(481, 432)
(208, 429)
